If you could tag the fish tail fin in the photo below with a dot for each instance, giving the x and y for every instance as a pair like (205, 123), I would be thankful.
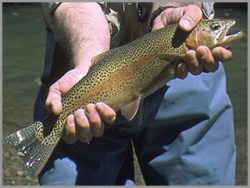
(32, 146)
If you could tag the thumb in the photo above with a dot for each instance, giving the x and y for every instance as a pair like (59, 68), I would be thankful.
(191, 17)
(53, 101)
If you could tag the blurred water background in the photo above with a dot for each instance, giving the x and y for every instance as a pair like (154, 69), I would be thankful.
(23, 55)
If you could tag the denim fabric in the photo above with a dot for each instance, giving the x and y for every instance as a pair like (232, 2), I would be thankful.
(193, 134)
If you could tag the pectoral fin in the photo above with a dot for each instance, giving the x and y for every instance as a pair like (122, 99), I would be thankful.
(130, 109)
(139, 115)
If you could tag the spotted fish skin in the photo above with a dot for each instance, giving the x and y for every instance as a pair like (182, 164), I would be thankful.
(118, 77)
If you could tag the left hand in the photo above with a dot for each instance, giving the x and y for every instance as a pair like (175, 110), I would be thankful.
(83, 124)
(197, 60)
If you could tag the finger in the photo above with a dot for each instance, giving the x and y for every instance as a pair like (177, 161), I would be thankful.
(222, 54)
(106, 112)
(157, 23)
(53, 101)
(205, 57)
(70, 130)
(181, 71)
(83, 131)
(193, 65)
(96, 124)
(171, 15)
(192, 15)
(167, 17)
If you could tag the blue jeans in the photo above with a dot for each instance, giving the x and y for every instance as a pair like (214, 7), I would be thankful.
(187, 138)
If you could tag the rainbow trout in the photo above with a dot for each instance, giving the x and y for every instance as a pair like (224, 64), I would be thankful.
(122, 78)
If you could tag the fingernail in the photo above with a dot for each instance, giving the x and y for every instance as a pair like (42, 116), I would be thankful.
(186, 23)
(90, 108)
(99, 106)
(71, 121)
(81, 114)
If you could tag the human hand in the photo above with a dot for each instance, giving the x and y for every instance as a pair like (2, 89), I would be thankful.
(82, 30)
(201, 59)
(84, 123)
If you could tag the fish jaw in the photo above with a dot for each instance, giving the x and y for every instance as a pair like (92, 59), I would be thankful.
(226, 40)
(212, 33)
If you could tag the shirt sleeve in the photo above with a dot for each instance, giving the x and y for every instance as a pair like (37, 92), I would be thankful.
(48, 9)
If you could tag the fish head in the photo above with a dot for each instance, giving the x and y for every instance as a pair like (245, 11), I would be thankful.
(212, 33)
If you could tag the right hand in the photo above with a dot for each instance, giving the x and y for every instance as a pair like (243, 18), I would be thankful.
(84, 123)
(197, 60)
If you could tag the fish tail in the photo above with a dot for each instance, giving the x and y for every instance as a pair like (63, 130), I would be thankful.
(32, 146)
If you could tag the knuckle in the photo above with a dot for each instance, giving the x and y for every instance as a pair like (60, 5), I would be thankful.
(94, 118)
(196, 71)
(51, 88)
(95, 121)
(68, 129)
(83, 134)
(69, 140)
(97, 132)
(212, 67)
(82, 126)
(181, 71)
(215, 67)
(85, 139)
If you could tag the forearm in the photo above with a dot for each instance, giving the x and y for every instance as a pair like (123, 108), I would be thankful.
(82, 30)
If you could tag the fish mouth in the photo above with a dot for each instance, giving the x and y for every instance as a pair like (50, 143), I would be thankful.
(226, 37)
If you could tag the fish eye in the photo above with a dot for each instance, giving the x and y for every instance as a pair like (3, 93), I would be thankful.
(215, 26)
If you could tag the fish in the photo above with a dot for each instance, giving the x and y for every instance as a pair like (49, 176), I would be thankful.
(121, 77)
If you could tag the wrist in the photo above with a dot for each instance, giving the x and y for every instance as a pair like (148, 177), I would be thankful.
(87, 50)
